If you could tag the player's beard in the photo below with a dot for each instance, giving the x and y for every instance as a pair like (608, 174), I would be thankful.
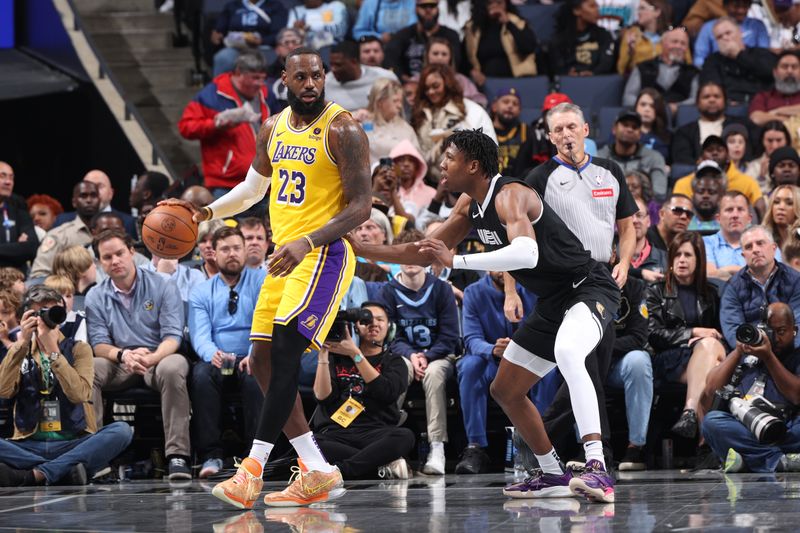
(301, 108)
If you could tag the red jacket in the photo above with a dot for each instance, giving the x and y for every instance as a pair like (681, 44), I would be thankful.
(227, 153)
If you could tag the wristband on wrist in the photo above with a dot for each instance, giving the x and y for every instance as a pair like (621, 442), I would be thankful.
(119, 356)
(323, 363)
(310, 242)
(208, 214)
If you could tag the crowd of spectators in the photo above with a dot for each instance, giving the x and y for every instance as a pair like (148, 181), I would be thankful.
(715, 221)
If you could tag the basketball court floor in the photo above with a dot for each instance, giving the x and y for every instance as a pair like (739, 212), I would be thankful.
(645, 502)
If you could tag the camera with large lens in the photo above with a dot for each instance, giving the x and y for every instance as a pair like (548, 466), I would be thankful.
(749, 334)
(52, 316)
(345, 317)
(756, 416)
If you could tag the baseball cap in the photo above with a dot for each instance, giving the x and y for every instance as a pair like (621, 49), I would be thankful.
(712, 140)
(629, 115)
(707, 167)
(506, 91)
(553, 99)
(782, 154)
(735, 128)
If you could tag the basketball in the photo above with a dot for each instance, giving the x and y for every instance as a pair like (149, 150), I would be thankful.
(169, 231)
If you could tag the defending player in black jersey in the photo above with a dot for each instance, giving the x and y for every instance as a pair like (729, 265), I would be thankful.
(577, 299)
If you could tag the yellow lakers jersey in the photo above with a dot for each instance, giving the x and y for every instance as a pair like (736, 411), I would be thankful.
(306, 190)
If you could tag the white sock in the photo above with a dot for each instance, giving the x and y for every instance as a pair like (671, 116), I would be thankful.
(260, 452)
(437, 445)
(550, 463)
(594, 450)
(309, 452)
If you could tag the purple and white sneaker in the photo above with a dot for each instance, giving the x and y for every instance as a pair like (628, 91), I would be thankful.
(595, 483)
(542, 485)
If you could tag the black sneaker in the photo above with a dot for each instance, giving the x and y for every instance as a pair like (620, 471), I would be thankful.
(11, 477)
(76, 476)
(633, 460)
(706, 459)
(473, 461)
(686, 426)
(179, 469)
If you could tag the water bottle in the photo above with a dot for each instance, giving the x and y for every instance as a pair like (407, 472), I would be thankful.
(423, 448)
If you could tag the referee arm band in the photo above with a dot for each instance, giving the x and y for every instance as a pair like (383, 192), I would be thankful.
(523, 252)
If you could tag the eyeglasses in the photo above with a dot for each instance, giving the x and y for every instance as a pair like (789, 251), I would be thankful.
(681, 211)
(233, 302)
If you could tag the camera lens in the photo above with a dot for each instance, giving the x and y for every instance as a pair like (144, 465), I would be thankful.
(748, 334)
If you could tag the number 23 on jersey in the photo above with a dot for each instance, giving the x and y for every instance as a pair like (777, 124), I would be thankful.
(292, 187)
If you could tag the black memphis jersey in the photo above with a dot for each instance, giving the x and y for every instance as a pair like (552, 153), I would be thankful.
(562, 257)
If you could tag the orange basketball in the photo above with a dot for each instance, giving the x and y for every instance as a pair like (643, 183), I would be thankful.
(169, 231)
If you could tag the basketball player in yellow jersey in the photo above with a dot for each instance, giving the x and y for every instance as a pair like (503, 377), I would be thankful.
(315, 158)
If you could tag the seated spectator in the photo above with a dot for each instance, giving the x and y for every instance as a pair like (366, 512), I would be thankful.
(135, 321)
(780, 17)
(225, 116)
(49, 379)
(777, 365)
(511, 133)
(701, 12)
(439, 51)
(674, 217)
(106, 193)
(251, 25)
(791, 250)
(376, 230)
(685, 327)
(150, 187)
(784, 167)
(630, 154)
(584, 48)
(498, 43)
(616, 15)
(288, 39)
(723, 249)
(642, 41)
(538, 148)
(257, 240)
(382, 18)
(370, 51)
(715, 155)
(12, 279)
(486, 335)
(774, 135)
(410, 169)
(76, 263)
(10, 301)
(688, 139)
(455, 14)
(440, 108)
(782, 102)
(737, 140)
(385, 114)
(386, 195)
(708, 185)
(669, 73)
(205, 237)
(648, 262)
(762, 282)
(109, 220)
(754, 33)
(220, 315)
(43, 210)
(783, 211)
(632, 370)
(19, 240)
(374, 376)
(742, 71)
(405, 52)
(75, 324)
(640, 187)
(427, 333)
(349, 82)
(324, 22)
(86, 202)
(655, 125)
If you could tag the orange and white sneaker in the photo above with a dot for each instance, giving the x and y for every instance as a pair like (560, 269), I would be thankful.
(243, 489)
(307, 487)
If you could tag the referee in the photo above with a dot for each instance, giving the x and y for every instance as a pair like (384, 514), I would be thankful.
(591, 196)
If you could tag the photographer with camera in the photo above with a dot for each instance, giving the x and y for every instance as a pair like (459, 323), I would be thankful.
(759, 431)
(49, 380)
(357, 388)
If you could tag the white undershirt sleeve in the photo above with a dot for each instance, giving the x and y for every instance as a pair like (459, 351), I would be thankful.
(523, 252)
(242, 197)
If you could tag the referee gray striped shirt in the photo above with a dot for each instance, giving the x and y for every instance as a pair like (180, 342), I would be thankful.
(589, 201)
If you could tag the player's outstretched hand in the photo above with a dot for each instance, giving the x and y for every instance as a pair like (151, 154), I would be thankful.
(198, 215)
(281, 263)
(436, 249)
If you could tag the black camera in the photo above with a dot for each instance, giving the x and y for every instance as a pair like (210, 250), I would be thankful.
(755, 416)
(52, 316)
(348, 316)
(753, 335)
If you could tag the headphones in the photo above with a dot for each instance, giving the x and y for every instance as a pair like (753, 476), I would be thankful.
(392, 327)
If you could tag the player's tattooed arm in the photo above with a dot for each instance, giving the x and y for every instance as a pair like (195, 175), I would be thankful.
(261, 163)
(350, 148)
